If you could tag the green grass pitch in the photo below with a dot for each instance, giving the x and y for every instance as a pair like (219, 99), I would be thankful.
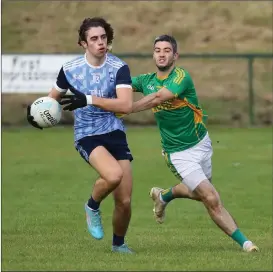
(45, 184)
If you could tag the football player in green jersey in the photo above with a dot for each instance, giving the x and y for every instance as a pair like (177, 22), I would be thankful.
(186, 144)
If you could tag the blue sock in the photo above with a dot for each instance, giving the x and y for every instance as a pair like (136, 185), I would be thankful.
(118, 240)
(93, 204)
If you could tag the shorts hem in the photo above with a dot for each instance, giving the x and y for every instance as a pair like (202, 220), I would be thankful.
(193, 180)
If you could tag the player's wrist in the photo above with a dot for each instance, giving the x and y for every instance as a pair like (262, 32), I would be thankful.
(89, 100)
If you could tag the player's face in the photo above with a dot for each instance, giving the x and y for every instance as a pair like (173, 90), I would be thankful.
(96, 41)
(164, 56)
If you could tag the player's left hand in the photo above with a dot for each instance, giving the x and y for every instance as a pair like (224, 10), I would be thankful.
(72, 102)
(30, 118)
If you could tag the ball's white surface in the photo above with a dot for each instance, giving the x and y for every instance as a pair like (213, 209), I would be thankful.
(47, 112)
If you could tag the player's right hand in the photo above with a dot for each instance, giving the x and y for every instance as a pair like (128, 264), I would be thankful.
(30, 119)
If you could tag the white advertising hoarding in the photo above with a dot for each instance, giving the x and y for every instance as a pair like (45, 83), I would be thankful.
(31, 73)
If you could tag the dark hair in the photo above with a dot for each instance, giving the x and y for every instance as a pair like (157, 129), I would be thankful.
(167, 38)
(95, 22)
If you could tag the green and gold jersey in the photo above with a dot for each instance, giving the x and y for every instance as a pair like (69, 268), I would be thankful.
(181, 119)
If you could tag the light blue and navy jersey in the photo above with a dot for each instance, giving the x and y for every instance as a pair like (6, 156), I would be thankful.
(101, 81)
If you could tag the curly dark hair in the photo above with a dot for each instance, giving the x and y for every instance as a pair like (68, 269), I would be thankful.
(87, 23)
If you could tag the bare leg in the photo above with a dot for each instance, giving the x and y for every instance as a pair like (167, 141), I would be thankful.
(101, 189)
(111, 175)
(182, 191)
(110, 172)
(122, 197)
(211, 200)
(221, 217)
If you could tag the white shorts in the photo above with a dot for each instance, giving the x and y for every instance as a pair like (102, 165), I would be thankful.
(193, 165)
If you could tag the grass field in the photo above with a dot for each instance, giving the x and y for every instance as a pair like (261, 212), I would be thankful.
(45, 184)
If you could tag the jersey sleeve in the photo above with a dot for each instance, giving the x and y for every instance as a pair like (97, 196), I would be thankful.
(179, 83)
(62, 85)
(137, 84)
(123, 77)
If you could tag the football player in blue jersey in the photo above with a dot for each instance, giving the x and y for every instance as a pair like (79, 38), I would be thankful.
(101, 83)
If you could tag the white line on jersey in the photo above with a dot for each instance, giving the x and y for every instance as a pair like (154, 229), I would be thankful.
(116, 65)
(115, 62)
(74, 63)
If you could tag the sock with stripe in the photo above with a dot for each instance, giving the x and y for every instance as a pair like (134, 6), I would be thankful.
(166, 195)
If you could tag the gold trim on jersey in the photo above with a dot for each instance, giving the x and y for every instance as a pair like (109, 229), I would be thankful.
(198, 113)
(177, 103)
(198, 117)
(162, 77)
(180, 74)
(170, 104)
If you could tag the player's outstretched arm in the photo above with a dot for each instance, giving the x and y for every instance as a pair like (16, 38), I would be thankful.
(145, 103)
(171, 90)
(152, 100)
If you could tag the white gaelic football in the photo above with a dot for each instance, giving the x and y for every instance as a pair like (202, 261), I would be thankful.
(47, 112)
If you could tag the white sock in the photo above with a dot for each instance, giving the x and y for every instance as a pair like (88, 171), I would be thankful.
(247, 244)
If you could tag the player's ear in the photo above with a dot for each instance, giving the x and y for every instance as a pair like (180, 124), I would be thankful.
(109, 47)
(175, 56)
(84, 44)
(154, 55)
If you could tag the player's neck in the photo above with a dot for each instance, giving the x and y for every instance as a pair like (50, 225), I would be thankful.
(94, 61)
(164, 74)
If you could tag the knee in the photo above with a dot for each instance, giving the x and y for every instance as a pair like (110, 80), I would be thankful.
(114, 177)
(124, 204)
(212, 202)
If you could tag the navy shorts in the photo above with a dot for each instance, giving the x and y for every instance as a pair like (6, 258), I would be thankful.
(115, 142)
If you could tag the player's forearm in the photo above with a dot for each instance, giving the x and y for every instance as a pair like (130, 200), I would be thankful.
(55, 94)
(115, 105)
(146, 103)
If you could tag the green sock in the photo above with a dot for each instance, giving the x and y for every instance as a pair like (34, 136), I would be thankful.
(239, 237)
(167, 195)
